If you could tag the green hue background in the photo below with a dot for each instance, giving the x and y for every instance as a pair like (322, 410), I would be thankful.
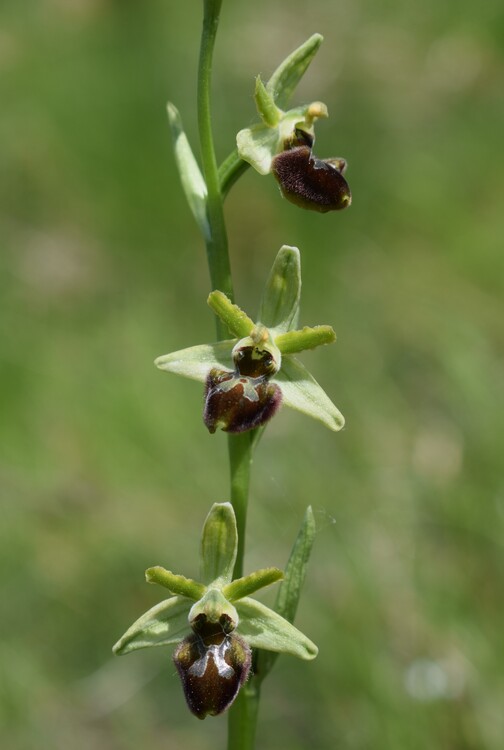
(105, 466)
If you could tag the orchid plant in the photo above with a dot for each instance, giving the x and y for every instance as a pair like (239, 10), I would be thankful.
(226, 641)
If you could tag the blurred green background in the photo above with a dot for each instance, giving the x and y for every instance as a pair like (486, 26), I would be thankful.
(105, 466)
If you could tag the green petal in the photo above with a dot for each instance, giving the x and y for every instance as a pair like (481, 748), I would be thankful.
(192, 180)
(288, 74)
(241, 587)
(263, 628)
(305, 338)
(238, 322)
(177, 584)
(301, 391)
(280, 301)
(219, 544)
(197, 361)
(162, 625)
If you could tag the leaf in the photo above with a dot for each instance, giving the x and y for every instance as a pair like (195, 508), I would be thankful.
(288, 74)
(162, 625)
(280, 301)
(301, 391)
(290, 589)
(191, 178)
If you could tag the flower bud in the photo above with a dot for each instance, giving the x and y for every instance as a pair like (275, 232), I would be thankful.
(213, 663)
(236, 402)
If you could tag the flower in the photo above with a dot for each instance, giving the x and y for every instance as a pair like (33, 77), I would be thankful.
(248, 377)
(216, 622)
(282, 141)
(309, 182)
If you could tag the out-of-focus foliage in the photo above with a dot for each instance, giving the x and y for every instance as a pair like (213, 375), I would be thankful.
(105, 465)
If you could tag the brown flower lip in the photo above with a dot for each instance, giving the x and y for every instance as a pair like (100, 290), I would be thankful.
(213, 664)
(309, 182)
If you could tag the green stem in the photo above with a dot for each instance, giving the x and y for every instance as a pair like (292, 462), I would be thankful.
(243, 713)
(230, 171)
(217, 244)
(240, 461)
(242, 719)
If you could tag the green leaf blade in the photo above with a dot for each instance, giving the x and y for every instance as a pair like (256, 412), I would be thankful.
(191, 178)
(290, 589)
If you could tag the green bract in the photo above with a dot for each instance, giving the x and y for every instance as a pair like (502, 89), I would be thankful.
(275, 333)
(259, 143)
(215, 600)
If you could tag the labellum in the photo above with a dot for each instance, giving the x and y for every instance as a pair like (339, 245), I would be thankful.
(309, 182)
(213, 664)
(237, 403)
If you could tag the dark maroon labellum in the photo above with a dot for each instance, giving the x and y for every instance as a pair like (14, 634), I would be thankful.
(312, 183)
(237, 403)
(213, 664)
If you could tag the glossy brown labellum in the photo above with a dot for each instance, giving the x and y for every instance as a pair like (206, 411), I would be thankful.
(312, 183)
(237, 403)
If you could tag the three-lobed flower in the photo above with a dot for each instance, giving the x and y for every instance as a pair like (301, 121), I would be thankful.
(282, 141)
(215, 623)
(248, 377)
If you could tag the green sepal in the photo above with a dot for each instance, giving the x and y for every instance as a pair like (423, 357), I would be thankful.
(162, 625)
(290, 589)
(293, 342)
(213, 604)
(265, 104)
(195, 362)
(279, 308)
(177, 584)
(301, 391)
(238, 322)
(288, 74)
(263, 628)
(245, 586)
(191, 178)
(219, 545)
(257, 145)
(260, 143)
